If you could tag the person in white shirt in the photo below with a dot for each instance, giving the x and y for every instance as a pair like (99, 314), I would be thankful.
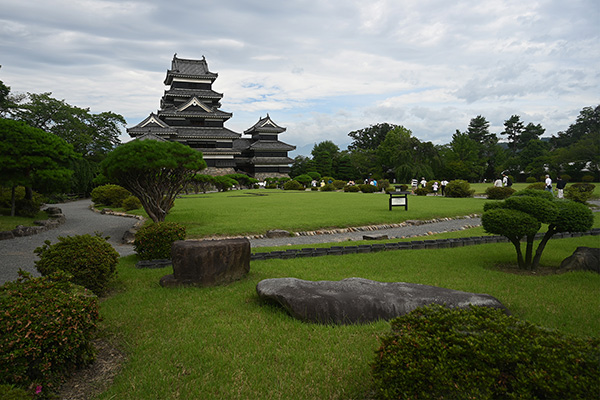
(423, 182)
(443, 184)
(548, 184)
(498, 183)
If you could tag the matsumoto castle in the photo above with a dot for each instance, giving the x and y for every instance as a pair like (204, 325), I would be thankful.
(189, 113)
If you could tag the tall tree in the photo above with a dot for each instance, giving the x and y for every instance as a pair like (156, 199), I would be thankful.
(32, 158)
(462, 158)
(369, 138)
(487, 144)
(324, 154)
(588, 121)
(513, 128)
(155, 172)
(92, 135)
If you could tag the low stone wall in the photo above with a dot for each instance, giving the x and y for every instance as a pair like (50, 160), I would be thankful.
(55, 218)
(412, 245)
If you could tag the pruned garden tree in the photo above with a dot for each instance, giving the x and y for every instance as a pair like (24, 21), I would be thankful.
(155, 172)
(522, 215)
(32, 158)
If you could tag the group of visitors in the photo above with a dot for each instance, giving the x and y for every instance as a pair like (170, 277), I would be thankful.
(435, 186)
(560, 186)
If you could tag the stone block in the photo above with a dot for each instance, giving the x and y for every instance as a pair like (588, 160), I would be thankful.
(208, 262)
(582, 259)
(277, 233)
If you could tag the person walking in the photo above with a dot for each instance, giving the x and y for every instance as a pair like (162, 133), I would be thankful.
(560, 186)
(413, 185)
(548, 183)
(435, 188)
(443, 185)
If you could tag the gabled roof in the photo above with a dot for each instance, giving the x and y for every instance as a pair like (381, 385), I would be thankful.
(199, 93)
(184, 68)
(150, 136)
(194, 102)
(265, 125)
(271, 145)
(151, 125)
(152, 121)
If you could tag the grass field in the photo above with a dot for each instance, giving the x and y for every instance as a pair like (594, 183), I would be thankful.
(222, 342)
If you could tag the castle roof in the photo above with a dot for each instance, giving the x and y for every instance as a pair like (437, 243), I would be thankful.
(184, 68)
(265, 125)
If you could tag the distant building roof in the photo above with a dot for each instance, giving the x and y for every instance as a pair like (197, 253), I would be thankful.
(265, 125)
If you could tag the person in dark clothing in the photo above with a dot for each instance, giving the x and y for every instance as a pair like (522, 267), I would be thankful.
(560, 186)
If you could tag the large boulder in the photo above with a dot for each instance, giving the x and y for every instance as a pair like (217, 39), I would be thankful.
(358, 300)
(208, 262)
(582, 259)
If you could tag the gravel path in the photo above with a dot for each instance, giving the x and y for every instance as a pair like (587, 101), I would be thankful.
(18, 253)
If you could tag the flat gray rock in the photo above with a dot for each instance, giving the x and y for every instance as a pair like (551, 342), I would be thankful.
(358, 300)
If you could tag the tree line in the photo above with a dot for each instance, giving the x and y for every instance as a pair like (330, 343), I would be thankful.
(388, 151)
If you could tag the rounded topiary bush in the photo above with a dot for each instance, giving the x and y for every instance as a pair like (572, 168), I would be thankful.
(587, 178)
(499, 193)
(339, 184)
(459, 188)
(530, 179)
(329, 187)
(131, 203)
(580, 192)
(366, 188)
(110, 195)
(46, 328)
(351, 188)
(537, 186)
(480, 353)
(90, 259)
(293, 185)
(154, 241)
(422, 191)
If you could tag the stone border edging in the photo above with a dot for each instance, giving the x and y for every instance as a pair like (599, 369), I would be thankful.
(55, 218)
(129, 235)
(412, 245)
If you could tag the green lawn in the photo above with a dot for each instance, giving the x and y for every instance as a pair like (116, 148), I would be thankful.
(222, 342)
(256, 211)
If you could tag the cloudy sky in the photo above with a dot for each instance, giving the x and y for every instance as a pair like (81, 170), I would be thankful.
(321, 68)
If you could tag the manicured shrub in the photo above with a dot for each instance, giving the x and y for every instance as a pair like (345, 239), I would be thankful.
(587, 178)
(537, 186)
(499, 193)
(459, 188)
(11, 392)
(566, 177)
(23, 207)
(329, 187)
(530, 179)
(154, 241)
(366, 188)
(403, 188)
(480, 353)
(351, 188)
(314, 188)
(110, 195)
(580, 192)
(91, 260)
(305, 179)
(46, 326)
(293, 185)
(223, 183)
(314, 175)
(383, 185)
(131, 203)
(338, 184)
(421, 191)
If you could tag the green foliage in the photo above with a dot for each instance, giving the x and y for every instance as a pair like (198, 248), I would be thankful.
(293, 185)
(366, 188)
(522, 214)
(155, 172)
(242, 179)
(329, 187)
(314, 175)
(580, 192)
(131, 203)
(303, 179)
(480, 353)
(459, 188)
(91, 260)
(202, 182)
(11, 392)
(499, 193)
(587, 178)
(46, 328)
(421, 191)
(110, 195)
(383, 184)
(531, 179)
(223, 183)
(351, 188)
(339, 184)
(566, 177)
(154, 241)
(537, 186)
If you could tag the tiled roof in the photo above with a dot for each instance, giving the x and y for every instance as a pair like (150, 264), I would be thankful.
(241, 144)
(271, 145)
(270, 160)
(205, 133)
(265, 125)
(185, 68)
(200, 93)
